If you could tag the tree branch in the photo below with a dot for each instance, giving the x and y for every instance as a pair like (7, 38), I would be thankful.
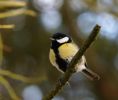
(8, 87)
(20, 77)
(72, 64)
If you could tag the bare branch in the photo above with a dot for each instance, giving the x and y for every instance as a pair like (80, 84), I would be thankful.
(13, 3)
(21, 77)
(9, 26)
(8, 87)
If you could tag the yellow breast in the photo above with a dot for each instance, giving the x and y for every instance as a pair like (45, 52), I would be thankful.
(52, 57)
(68, 50)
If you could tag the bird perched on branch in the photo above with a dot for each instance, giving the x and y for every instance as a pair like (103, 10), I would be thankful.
(62, 50)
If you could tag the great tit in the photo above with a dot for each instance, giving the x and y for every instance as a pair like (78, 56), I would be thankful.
(62, 50)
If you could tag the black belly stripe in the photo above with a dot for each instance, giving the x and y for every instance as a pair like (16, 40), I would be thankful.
(61, 62)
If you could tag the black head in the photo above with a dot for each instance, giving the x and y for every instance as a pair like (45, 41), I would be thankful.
(59, 39)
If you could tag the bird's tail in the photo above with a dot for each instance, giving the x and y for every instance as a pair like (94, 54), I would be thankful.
(90, 74)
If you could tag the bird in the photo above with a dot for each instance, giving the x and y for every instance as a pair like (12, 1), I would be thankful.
(61, 52)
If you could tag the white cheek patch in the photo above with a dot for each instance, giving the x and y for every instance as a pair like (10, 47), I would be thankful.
(63, 40)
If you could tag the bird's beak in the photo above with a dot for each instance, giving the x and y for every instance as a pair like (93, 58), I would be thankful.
(52, 39)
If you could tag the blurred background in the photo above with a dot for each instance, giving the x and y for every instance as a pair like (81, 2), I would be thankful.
(26, 46)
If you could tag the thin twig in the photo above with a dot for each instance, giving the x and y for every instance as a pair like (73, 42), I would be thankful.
(20, 77)
(17, 12)
(13, 3)
(8, 87)
(74, 61)
(9, 26)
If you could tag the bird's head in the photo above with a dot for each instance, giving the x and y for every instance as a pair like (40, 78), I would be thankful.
(60, 38)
